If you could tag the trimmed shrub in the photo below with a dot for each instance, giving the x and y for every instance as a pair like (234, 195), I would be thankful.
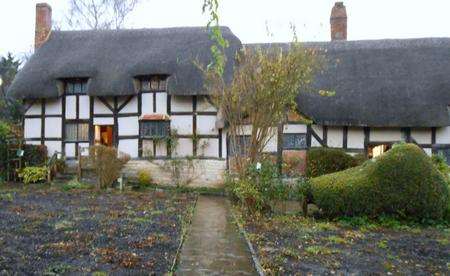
(33, 174)
(34, 155)
(322, 161)
(402, 182)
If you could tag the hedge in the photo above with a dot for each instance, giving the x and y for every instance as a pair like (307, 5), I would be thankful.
(402, 182)
(322, 161)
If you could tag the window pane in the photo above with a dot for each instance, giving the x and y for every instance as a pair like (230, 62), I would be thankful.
(71, 132)
(162, 85)
(154, 129)
(294, 141)
(155, 83)
(69, 88)
(77, 88)
(83, 132)
(145, 85)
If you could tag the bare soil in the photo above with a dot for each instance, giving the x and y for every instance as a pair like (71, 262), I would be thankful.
(292, 244)
(49, 231)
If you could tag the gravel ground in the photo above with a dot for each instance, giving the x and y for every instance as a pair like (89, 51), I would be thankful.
(291, 244)
(49, 231)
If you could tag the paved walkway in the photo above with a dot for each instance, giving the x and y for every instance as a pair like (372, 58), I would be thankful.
(214, 245)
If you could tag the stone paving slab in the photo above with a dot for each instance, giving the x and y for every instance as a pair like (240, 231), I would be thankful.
(214, 245)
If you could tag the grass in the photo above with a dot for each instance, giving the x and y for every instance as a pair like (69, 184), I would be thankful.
(336, 240)
(320, 250)
(75, 185)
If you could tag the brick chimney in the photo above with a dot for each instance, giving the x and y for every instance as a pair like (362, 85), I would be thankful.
(338, 22)
(43, 24)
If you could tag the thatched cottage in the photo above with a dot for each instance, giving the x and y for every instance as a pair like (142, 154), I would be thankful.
(131, 88)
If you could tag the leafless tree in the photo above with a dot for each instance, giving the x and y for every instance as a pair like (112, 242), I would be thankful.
(99, 14)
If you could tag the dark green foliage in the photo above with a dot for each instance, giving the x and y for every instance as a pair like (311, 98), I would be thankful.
(402, 182)
(4, 132)
(35, 155)
(322, 161)
(10, 109)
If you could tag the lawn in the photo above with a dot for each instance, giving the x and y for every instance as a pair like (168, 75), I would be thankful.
(52, 231)
(292, 244)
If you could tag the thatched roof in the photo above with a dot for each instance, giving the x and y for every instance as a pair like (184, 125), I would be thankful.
(388, 83)
(112, 59)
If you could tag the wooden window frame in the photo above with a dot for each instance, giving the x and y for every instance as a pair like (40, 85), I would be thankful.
(77, 122)
(285, 135)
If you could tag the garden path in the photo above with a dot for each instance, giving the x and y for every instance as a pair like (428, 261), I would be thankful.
(214, 245)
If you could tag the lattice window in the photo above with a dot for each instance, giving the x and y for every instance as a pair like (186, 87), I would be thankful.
(155, 129)
(293, 141)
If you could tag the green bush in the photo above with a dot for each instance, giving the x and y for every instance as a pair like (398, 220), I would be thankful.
(4, 132)
(402, 182)
(33, 174)
(144, 178)
(34, 155)
(259, 188)
(322, 161)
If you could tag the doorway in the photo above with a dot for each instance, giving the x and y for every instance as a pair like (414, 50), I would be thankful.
(104, 135)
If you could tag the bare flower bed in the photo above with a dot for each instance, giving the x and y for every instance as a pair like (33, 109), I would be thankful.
(292, 244)
(48, 231)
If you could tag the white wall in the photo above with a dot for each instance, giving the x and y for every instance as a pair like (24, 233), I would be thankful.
(35, 109)
(129, 146)
(53, 127)
(335, 137)
(443, 135)
(84, 107)
(183, 148)
(421, 135)
(355, 138)
(181, 104)
(385, 134)
(131, 106)
(100, 108)
(103, 121)
(206, 124)
(128, 126)
(32, 128)
(182, 123)
(294, 128)
(53, 106)
(53, 146)
(208, 147)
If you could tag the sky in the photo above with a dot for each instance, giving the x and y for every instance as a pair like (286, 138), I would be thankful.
(250, 19)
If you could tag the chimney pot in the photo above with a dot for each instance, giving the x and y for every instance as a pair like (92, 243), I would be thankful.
(338, 22)
(43, 24)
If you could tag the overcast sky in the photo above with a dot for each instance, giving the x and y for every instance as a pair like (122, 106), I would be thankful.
(367, 19)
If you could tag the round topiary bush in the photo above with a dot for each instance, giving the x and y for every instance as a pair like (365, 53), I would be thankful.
(322, 161)
(401, 182)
